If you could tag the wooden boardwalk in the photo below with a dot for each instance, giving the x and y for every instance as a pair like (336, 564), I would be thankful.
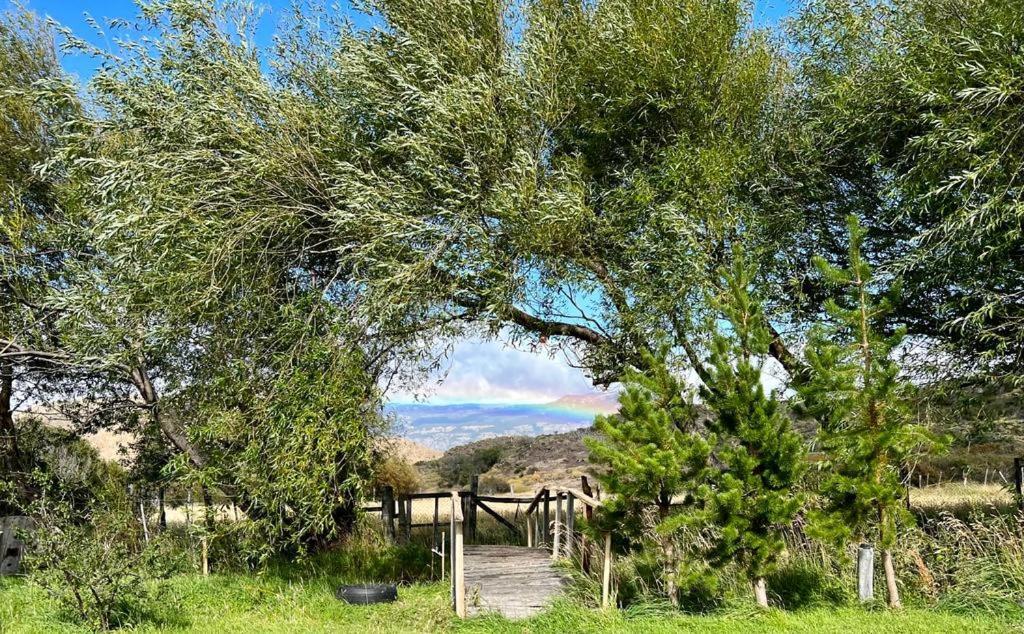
(514, 581)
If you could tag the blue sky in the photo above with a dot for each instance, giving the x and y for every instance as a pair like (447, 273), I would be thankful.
(477, 371)
(72, 14)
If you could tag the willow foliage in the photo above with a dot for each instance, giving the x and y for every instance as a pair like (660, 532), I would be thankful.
(918, 111)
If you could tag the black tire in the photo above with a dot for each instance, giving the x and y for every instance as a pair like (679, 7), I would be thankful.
(367, 593)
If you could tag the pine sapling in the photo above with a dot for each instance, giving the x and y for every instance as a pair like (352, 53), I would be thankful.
(855, 391)
(652, 452)
(754, 495)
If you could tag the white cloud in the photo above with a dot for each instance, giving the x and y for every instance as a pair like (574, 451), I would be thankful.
(493, 372)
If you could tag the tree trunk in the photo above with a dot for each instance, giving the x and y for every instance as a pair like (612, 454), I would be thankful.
(344, 516)
(890, 580)
(760, 592)
(671, 567)
(208, 512)
(10, 454)
(163, 511)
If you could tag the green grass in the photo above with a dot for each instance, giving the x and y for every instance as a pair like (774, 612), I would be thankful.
(275, 602)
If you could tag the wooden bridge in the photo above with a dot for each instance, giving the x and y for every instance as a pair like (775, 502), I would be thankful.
(520, 581)
(515, 581)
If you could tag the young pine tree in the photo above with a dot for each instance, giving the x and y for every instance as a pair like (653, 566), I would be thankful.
(753, 495)
(855, 392)
(652, 452)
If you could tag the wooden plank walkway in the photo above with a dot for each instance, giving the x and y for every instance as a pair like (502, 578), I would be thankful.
(514, 581)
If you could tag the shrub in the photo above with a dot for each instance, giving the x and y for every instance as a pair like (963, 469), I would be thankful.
(459, 469)
(93, 562)
(976, 564)
(802, 583)
(56, 456)
(493, 484)
(397, 474)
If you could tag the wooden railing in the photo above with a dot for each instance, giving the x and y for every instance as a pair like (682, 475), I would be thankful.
(538, 529)
(397, 511)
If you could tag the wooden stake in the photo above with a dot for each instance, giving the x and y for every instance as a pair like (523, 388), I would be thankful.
(588, 512)
(474, 491)
(142, 514)
(458, 563)
(206, 560)
(437, 501)
(387, 513)
(555, 553)
(1018, 481)
(606, 582)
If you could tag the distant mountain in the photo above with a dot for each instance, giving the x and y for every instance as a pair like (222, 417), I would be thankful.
(444, 426)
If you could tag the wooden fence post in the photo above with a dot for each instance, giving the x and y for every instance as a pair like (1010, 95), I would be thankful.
(555, 547)
(589, 514)
(1018, 481)
(437, 501)
(387, 513)
(474, 490)
(570, 523)
(547, 517)
(405, 518)
(163, 509)
(606, 582)
(458, 563)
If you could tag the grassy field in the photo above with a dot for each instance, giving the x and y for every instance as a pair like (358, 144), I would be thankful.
(271, 603)
(986, 563)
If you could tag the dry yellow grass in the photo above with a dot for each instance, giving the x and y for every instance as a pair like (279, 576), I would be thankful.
(960, 495)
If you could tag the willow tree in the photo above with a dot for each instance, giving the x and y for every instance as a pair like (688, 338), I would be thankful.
(913, 108)
(571, 172)
(32, 253)
(208, 295)
(550, 168)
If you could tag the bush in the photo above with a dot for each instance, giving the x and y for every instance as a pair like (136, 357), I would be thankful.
(397, 474)
(457, 470)
(93, 562)
(58, 457)
(803, 584)
(975, 565)
(493, 484)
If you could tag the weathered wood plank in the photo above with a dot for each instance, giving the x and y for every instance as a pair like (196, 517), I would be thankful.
(514, 581)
